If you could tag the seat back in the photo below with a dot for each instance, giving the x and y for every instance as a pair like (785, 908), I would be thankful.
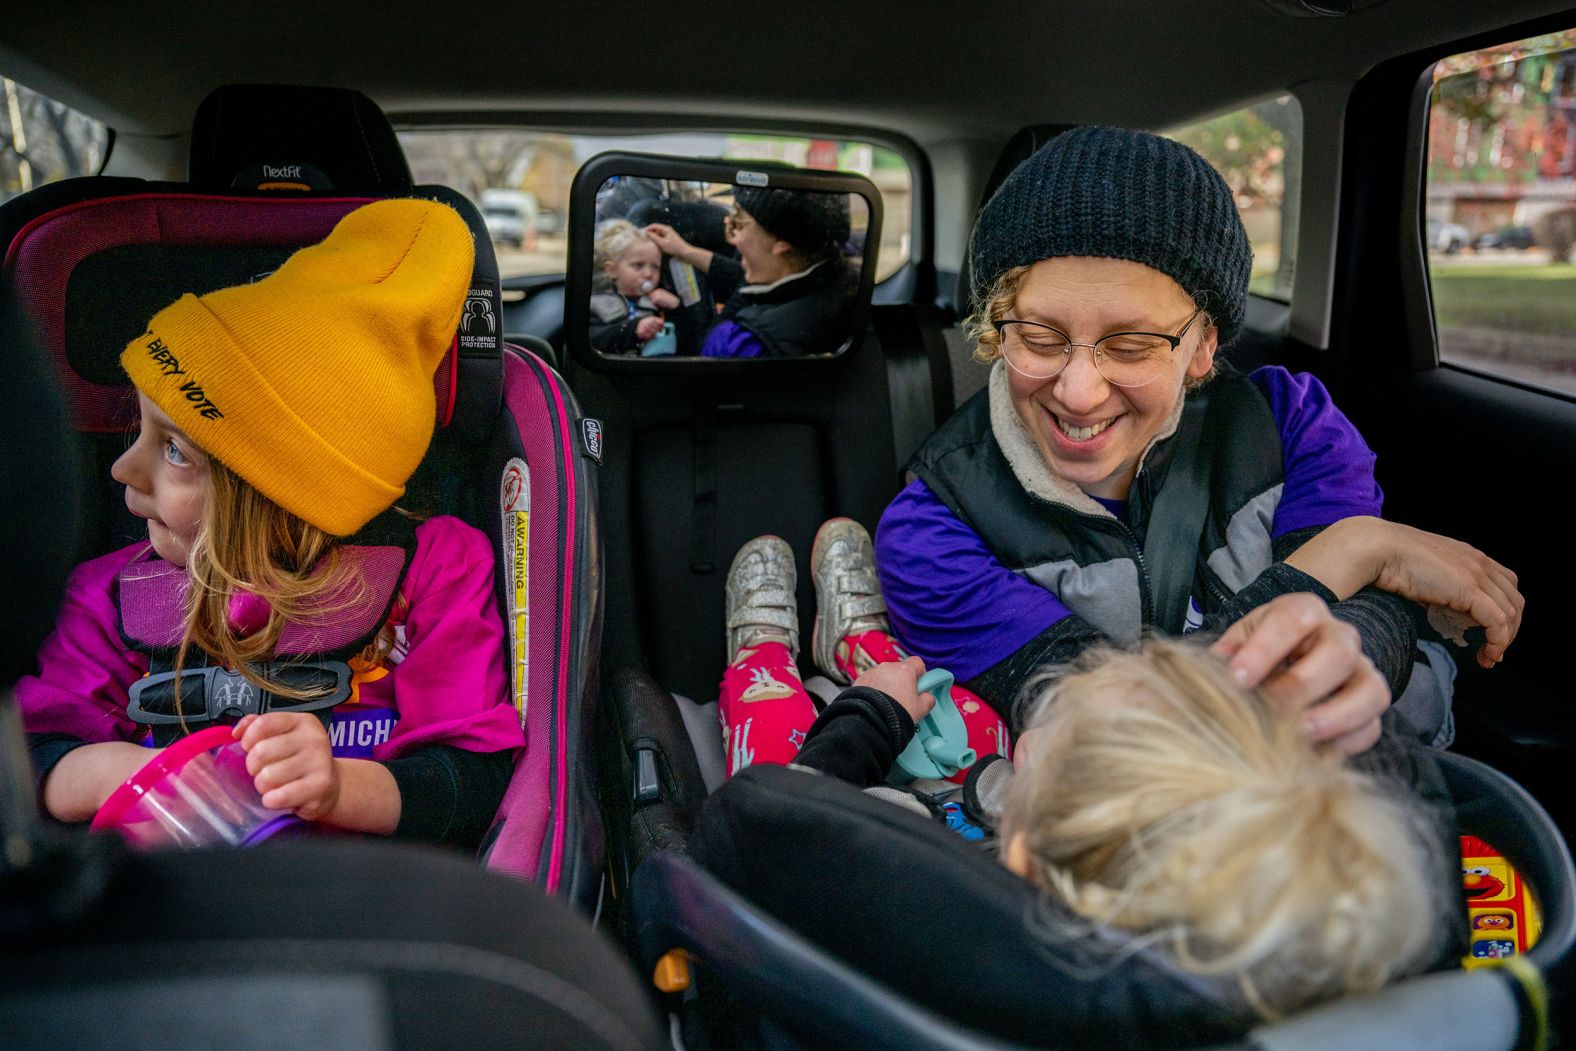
(88, 261)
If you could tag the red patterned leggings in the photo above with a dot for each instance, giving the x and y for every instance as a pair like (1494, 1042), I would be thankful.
(766, 712)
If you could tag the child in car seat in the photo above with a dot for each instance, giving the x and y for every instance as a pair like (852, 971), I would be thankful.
(764, 707)
(626, 304)
(1154, 795)
(278, 419)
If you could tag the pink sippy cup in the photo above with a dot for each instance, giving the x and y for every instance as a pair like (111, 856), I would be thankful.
(195, 793)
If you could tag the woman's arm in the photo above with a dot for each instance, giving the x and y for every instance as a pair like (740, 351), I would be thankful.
(672, 243)
(1423, 567)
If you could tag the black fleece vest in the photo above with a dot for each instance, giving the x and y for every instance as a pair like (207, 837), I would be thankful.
(808, 315)
(1094, 563)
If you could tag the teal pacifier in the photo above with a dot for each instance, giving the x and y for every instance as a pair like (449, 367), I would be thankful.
(940, 747)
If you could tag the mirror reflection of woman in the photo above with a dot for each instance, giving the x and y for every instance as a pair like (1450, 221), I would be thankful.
(791, 291)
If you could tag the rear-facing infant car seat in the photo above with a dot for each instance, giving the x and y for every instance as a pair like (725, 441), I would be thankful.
(272, 169)
(819, 916)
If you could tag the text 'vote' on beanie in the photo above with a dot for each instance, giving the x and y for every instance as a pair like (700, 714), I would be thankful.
(314, 384)
(1120, 194)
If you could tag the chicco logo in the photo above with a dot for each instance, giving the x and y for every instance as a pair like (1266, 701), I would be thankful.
(191, 389)
(591, 435)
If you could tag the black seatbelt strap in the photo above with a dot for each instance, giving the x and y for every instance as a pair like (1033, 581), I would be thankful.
(703, 502)
(1176, 523)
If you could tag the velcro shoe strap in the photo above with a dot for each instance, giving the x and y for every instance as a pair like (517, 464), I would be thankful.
(858, 582)
(858, 606)
(764, 616)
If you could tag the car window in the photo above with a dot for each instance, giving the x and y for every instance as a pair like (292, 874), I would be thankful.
(510, 172)
(1500, 209)
(44, 141)
(1259, 151)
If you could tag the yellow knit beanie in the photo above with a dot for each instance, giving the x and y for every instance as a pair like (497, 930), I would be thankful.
(314, 384)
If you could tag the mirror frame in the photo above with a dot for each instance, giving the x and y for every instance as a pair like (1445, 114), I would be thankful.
(582, 230)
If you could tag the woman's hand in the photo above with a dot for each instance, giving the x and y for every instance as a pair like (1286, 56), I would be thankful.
(672, 243)
(899, 680)
(647, 327)
(662, 299)
(1426, 568)
(1446, 574)
(1304, 660)
(291, 762)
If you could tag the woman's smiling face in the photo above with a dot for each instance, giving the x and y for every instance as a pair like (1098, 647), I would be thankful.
(1090, 432)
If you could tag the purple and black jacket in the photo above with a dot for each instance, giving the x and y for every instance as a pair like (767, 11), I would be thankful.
(991, 566)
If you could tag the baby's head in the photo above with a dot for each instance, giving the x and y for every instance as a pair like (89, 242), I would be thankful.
(628, 256)
(1162, 799)
(282, 414)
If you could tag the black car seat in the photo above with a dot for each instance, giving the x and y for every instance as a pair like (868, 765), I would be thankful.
(758, 917)
(273, 168)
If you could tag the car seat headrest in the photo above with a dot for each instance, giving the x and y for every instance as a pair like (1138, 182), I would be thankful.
(1018, 149)
(284, 138)
(90, 274)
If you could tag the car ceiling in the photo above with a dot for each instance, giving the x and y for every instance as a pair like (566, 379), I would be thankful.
(931, 71)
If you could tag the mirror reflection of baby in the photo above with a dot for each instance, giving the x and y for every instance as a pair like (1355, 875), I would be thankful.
(626, 304)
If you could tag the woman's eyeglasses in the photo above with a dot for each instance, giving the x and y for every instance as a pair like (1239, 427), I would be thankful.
(1124, 359)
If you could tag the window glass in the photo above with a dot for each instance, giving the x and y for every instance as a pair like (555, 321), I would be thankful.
(43, 141)
(1500, 209)
(520, 180)
(1259, 151)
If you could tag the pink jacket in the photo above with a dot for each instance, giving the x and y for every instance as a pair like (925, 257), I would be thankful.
(449, 687)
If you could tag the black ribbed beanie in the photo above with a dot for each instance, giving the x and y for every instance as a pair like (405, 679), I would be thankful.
(810, 221)
(1120, 194)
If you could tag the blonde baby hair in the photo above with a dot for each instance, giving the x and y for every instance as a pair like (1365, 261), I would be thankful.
(1166, 801)
(614, 237)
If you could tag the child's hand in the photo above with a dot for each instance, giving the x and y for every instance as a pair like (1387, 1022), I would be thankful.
(647, 327)
(664, 299)
(291, 762)
(899, 680)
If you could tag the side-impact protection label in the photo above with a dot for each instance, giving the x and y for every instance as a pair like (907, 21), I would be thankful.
(515, 509)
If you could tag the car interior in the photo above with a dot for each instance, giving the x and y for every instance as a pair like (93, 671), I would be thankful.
(226, 143)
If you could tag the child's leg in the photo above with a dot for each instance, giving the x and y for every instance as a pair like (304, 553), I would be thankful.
(764, 709)
(987, 731)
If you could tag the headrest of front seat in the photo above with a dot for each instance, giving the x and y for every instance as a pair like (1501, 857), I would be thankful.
(1018, 149)
(277, 137)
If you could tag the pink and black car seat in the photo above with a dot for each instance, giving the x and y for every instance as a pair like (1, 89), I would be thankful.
(86, 261)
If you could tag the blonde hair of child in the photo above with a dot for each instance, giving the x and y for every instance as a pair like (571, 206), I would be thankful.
(614, 237)
(246, 542)
(1164, 800)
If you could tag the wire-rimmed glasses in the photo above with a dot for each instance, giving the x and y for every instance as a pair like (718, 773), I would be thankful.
(1125, 359)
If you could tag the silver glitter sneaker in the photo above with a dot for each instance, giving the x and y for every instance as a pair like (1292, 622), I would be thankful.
(847, 595)
(759, 603)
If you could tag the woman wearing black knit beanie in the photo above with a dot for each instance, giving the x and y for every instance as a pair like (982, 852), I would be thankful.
(791, 291)
(1107, 481)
